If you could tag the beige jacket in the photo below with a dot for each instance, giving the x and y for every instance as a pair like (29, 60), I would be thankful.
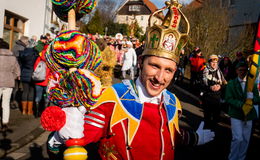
(9, 68)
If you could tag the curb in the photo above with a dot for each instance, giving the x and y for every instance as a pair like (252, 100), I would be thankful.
(25, 139)
(196, 99)
(186, 92)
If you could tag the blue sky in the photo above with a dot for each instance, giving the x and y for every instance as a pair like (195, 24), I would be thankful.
(160, 3)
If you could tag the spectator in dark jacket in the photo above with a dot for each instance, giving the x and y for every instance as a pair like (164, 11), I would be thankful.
(9, 71)
(182, 64)
(225, 66)
(18, 47)
(28, 57)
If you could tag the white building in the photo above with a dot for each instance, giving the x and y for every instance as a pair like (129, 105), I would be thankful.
(135, 10)
(24, 17)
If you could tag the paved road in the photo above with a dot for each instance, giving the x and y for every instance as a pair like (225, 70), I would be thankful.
(192, 115)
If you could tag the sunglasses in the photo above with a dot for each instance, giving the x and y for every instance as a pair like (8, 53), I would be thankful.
(213, 60)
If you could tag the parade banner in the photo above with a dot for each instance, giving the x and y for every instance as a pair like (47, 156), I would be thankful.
(253, 71)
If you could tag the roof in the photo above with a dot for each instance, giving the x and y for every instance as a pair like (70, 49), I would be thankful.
(150, 5)
(195, 4)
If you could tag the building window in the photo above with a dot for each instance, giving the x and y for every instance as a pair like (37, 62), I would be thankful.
(13, 27)
(142, 18)
(134, 8)
(126, 18)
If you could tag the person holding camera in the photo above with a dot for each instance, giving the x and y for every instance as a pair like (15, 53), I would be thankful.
(213, 81)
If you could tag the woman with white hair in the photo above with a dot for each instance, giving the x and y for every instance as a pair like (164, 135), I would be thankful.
(129, 61)
(214, 82)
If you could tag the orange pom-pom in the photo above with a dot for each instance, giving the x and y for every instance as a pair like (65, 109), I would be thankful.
(53, 118)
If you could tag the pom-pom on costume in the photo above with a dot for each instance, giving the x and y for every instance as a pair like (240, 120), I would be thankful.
(82, 7)
(57, 121)
(72, 59)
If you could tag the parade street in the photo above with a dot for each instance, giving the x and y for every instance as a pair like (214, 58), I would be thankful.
(29, 143)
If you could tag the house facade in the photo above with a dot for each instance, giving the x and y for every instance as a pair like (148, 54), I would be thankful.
(135, 10)
(242, 13)
(24, 17)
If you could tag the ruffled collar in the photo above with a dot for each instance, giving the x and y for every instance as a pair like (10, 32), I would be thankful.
(143, 95)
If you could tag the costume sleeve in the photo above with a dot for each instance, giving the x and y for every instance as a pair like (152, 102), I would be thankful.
(186, 138)
(230, 96)
(97, 121)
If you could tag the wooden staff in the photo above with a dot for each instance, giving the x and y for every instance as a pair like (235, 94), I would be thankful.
(75, 148)
(72, 19)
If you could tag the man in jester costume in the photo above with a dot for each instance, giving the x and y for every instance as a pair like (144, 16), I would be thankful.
(131, 115)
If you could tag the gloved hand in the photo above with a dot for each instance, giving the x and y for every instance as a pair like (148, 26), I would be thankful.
(204, 135)
(74, 125)
(249, 95)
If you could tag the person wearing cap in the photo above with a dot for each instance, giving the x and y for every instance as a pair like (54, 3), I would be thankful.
(193, 52)
(197, 65)
(213, 82)
(41, 43)
(241, 124)
(19, 46)
(139, 119)
(129, 61)
(239, 57)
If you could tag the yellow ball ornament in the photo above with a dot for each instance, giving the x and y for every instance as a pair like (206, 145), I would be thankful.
(75, 153)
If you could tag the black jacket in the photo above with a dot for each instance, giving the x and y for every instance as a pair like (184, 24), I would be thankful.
(27, 57)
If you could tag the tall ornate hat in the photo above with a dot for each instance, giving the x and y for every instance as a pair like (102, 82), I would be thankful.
(165, 39)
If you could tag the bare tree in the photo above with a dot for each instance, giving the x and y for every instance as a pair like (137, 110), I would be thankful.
(209, 27)
(107, 9)
(210, 30)
(244, 42)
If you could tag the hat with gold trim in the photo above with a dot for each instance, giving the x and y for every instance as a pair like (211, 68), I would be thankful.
(169, 37)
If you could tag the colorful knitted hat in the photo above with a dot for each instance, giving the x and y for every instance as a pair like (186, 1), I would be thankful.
(72, 59)
(82, 7)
